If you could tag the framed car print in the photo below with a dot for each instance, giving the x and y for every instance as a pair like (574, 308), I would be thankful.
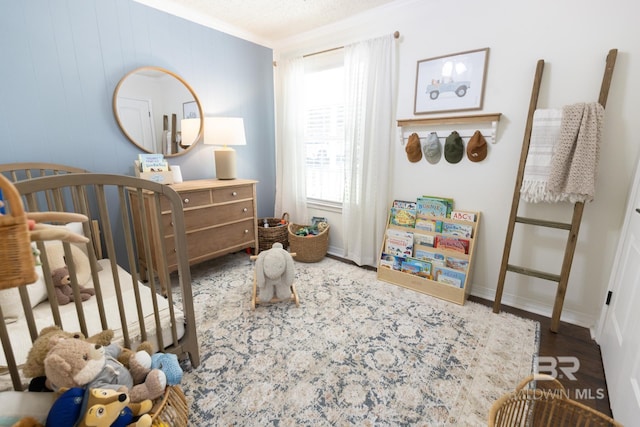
(451, 82)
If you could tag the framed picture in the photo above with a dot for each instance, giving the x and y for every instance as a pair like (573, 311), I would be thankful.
(190, 110)
(451, 82)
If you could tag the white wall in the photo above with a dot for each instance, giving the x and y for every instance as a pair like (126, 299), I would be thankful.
(573, 37)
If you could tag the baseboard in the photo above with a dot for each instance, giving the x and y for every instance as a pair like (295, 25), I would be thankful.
(532, 306)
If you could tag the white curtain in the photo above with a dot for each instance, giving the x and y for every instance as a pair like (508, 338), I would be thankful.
(369, 126)
(290, 148)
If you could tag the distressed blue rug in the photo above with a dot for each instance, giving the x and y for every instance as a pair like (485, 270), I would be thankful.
(357, 351)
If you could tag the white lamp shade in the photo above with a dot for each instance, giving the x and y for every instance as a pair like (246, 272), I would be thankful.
(224, 131)
(189, 130)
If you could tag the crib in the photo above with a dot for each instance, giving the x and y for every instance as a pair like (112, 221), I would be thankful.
(135, 311)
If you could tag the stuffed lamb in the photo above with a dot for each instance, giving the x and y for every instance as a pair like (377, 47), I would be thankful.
(274, 273)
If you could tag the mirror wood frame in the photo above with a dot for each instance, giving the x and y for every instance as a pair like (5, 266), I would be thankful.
(150, 68)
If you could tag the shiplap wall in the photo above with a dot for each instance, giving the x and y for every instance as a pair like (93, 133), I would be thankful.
(61, 60)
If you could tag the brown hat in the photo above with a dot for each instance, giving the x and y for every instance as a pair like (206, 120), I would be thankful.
(413, 148)
(477, 147)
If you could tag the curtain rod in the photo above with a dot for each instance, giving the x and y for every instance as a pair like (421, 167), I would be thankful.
(396, 35)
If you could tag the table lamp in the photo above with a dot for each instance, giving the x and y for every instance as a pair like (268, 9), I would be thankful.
(224, 132)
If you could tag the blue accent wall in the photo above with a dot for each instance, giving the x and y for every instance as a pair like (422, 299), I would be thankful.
(62, 59)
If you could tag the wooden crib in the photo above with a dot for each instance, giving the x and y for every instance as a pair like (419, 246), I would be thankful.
(134, 310)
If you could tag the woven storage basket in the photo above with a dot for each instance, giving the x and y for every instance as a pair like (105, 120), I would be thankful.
(267, 236)
(308, 248)
(544, 407)
(173, 410)
(17, 266)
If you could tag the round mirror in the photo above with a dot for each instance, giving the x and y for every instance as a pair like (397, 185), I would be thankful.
(152, 106)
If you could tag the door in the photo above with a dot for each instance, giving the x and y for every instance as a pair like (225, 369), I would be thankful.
(137, 118)
(619, 338)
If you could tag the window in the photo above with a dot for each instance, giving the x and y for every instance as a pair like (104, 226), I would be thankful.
(324, 127)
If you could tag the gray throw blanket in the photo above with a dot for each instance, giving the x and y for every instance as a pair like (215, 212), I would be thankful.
(574, 164)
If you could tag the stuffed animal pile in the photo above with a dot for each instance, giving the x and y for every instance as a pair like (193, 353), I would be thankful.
(100, 383)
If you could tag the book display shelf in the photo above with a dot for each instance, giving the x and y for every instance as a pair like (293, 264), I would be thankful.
(429, 252)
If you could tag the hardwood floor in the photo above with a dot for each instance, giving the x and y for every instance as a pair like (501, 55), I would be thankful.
(590, 387)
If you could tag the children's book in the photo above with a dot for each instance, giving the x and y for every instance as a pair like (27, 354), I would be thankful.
(423, 239)
(457, 244)
(433, 206)
(403, 217)
(463, 216)
(457, 263)
(449, 276)
(418, 267)
(151, 162)
(455, 229)
(428, 224)
(435, 258)
(403, 204)
(399, 242)
(393, 262)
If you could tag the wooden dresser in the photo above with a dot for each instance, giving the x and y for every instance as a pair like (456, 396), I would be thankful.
(220, 216)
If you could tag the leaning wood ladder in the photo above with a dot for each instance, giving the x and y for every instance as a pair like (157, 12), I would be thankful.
(563, 278)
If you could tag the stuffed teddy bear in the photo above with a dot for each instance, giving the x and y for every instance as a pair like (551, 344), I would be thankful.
(274, 273)
(167, 363)
(75, 363)
(64, 291)
(95, 407)
(34, 366)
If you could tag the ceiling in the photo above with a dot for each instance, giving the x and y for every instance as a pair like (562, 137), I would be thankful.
(265, 21)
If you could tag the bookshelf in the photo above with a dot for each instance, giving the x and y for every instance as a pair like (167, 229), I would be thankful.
(430, 286)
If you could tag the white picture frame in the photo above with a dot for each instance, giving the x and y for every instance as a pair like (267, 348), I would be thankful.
(452, 82)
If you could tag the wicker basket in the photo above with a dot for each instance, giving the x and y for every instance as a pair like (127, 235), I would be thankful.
(172, 410)
(549, 406)
(308, 248)
(267, 236)
(17, 266)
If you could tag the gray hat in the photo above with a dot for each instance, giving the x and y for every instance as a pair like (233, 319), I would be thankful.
(453, 148)
(433, 149)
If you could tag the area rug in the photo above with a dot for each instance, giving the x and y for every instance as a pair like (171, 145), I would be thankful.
(357, 351)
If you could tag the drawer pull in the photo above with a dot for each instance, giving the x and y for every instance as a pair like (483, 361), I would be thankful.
(186, 200)
(234, 194)
(245, 209)
(246, 231)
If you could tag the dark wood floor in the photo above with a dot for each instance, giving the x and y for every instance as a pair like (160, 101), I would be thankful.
(590, 387)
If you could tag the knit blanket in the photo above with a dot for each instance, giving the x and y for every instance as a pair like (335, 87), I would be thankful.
(544, 134)
(575, 159)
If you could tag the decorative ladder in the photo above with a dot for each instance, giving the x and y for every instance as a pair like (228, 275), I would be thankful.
(573, 227)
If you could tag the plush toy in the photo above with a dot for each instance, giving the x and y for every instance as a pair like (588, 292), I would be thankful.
(34, 366)
(167, 363)
(126, 353)
(274, 273)
(40, 231)
(64, 291)
(95, 407)
(75, 363)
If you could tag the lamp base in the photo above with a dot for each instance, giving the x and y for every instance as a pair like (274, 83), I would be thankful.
(225, 158)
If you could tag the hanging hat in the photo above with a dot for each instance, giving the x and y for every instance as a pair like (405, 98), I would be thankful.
(432, 149)
(453, 148)
(413, 148)
(477, 147)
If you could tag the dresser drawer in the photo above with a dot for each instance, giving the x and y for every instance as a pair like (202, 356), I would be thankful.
(214, 241)
(212, 216)
(190, 199)
(221, 195)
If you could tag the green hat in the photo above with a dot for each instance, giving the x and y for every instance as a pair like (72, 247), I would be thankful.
(453, 148)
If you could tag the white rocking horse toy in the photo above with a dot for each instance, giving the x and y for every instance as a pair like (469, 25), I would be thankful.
(273, 277)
